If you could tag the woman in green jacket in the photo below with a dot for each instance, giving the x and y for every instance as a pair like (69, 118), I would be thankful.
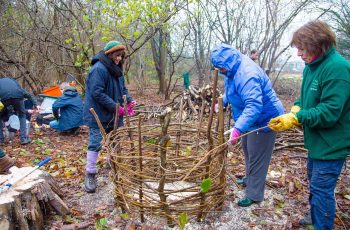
(323, 110)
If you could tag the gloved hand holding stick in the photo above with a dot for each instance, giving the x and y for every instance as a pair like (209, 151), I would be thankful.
(219, 146)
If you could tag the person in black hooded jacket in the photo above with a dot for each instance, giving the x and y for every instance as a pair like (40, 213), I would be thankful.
(105, 88)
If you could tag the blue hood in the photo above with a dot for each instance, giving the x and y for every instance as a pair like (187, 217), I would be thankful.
(247, 88)
(225, 56)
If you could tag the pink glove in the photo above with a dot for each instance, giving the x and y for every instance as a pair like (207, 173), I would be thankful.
(234, 136)
(132, 104)
(131, 112)
(120, 111)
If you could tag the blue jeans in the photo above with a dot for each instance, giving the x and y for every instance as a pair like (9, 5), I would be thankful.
(323, 176)
(95, 139)
(54, 124)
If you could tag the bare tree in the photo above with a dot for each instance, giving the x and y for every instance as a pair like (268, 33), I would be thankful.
(339, 15)
(258, 24)
(200, 34)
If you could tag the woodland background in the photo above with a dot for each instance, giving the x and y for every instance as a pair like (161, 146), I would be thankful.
(44, 41)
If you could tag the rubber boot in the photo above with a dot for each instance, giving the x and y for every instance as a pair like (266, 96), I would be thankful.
(6, 163)
(90, 182)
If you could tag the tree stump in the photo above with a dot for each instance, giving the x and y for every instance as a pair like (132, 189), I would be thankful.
(26, 203)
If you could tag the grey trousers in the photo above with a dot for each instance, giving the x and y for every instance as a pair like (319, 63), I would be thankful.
(257, 148)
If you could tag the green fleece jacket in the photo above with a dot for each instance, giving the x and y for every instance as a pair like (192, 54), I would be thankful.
(325, 107)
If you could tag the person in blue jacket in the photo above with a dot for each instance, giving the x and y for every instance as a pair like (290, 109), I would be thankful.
(67, 110)
(254, 103)
(12, 94)
(105, 88)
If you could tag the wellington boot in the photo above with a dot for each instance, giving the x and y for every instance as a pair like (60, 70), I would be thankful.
(90, 182)
(6, 163)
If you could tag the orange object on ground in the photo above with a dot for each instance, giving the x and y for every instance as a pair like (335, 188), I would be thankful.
(53, 91)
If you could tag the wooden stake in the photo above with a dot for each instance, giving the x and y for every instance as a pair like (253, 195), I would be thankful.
(116, 119)
(103, 131)
(210, 141)
(141, 169)
(163, 141)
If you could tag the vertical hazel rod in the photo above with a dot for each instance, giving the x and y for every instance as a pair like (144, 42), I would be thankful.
(140, 168)
(223, 150)
(178, 135)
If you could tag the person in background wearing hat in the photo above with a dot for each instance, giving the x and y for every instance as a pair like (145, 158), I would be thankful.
(6, 162)
(67, 110)
(105, 88)
(11, 93)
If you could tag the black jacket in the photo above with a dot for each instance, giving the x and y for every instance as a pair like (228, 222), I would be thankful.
(105, 87)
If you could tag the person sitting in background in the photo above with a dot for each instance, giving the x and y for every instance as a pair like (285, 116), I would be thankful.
(6, 162)
(11, 93)
(67, 110)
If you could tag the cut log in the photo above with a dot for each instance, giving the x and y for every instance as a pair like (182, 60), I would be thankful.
(26, 203)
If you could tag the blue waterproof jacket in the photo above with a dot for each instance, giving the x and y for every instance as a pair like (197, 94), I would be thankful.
(68, 110)
(247, 88)
(103, 92)
(10, 89)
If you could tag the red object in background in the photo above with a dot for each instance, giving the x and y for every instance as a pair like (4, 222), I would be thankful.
(52, 92)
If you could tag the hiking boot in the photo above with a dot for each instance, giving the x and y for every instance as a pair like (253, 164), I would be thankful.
(245, 202)
(241, 182)
(6, 163)
(90, 182)
(306, 220)
(25, 141)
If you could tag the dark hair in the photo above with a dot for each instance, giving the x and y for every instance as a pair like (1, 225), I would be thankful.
(253, 51)
(315, 37)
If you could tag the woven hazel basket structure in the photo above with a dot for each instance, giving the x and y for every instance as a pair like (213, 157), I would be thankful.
(158, 169)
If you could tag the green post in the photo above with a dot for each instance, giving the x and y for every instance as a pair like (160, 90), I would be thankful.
(186, 76)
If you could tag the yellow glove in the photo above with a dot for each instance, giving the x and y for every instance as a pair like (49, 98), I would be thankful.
(295, 109)
(1, 107)
(283, 122)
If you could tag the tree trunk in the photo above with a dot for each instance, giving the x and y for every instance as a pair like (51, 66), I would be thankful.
(25, 204)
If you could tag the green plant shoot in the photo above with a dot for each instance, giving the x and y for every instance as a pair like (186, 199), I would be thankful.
(206, 184)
